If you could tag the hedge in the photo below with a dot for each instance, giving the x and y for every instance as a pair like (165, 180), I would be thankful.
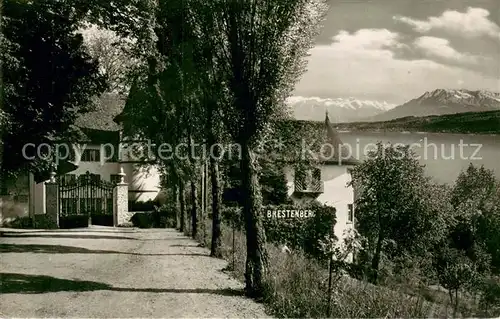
(41, 222)
(161, 217)
(297, 233)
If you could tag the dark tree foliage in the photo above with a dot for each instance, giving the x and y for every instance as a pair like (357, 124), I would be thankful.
(476, 199)
(273, 183)
(271, 178)
(55, 79)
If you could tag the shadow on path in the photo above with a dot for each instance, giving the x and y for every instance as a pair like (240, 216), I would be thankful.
(112, 230)
(184, 246)
(12, 235)
(36, 284)
(59, 249)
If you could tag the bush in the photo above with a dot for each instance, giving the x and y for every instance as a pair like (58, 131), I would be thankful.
(143, 220)
(20, 223)
(102, 219)
(162, 217)
(296, 233)
(490, 297)
(41, 222)
(44, 222)
(166, 216)
(147, 206)
(73, 221)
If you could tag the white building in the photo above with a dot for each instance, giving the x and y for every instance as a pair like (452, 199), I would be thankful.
(102, 152)
(327, 182)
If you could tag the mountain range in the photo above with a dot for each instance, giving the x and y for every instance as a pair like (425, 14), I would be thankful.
(437, 102)
(339, 109)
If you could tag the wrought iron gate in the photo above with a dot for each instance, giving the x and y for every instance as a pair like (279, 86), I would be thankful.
(85, 200)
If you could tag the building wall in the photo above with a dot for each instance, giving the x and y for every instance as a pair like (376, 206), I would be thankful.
(336, 193)
(144, 184)
(143, 181)
(105, 169)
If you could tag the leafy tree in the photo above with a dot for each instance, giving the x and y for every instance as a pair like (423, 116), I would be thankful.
(213, 96)
(113, 54)
(8, 64)
(338, 252)
(455, 271)
(476, 198)
(260, 47)
(397, 209)
(180, 92)
(257, 50)
(465, 255)
(54, 81)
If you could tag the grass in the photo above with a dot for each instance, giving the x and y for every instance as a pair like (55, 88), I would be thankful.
(297, 287)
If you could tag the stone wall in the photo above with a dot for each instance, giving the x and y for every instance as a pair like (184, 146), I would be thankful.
(52, 201)
(121, 215)
(126, 218)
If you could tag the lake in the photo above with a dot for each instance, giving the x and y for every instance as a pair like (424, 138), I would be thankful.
(444, 155)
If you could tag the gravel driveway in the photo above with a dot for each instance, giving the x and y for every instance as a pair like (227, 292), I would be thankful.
(108, 272)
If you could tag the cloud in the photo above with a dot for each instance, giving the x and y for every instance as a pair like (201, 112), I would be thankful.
(440, 48)
(363, 65)
(370, 39)
(472, 23)
(372, 43)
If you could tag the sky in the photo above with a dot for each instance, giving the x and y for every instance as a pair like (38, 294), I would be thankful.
(396, 50)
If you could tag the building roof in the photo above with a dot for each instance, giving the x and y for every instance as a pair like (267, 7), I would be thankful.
(109, 105)
(316, 141)
(339, 153)
(137, 100)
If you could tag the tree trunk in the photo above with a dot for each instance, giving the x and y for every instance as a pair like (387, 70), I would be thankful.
(376, 259)
(215, 182)
(455, 305)
(2, 178)
(3, 171)
(252, 204)
(215, 250)
(194, 188)
(203, 209)
(194, 209)
(182, 200)
(176, 206)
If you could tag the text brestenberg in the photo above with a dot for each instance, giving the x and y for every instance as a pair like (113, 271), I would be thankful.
(290, 213)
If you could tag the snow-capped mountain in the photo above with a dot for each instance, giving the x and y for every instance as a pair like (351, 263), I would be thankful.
(441, 101)
(339, 109)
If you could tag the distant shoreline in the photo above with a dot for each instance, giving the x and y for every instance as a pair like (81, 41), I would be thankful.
(354, 130)
(470, 123)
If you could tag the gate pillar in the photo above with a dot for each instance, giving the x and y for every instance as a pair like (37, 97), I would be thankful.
(121, 214)
(52, 199)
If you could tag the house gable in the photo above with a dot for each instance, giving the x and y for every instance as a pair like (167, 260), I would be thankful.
(101, 119)
(334, 179)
